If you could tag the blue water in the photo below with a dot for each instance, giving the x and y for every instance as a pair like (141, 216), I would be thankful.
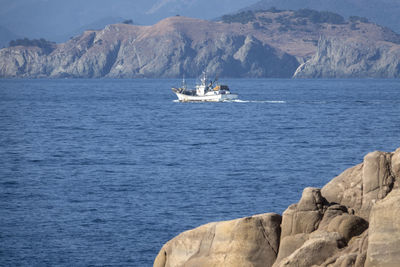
(104, 172)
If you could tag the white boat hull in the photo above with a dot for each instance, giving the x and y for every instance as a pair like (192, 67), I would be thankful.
(206, 98)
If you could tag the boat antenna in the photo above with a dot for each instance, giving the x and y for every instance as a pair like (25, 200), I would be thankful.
(204, 78)
(183, 82)
(216, 78)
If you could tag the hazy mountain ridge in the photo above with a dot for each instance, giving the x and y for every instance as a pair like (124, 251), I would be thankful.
(383, 12)
(262, 44)
(55, 20)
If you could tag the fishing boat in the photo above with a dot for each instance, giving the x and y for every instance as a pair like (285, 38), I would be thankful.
(206, 91)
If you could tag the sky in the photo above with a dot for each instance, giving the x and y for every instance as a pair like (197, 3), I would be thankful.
(57, 20)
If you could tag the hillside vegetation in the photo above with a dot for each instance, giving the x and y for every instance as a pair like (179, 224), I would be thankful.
(313, 15)
(383, 12)
(41, 43)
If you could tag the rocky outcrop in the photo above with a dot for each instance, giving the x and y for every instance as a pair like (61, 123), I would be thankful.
(384, 232)
(305, 216)
(318, 247)
(314, 231)
(251, 241)
(353, 58)
(361, 186)
(352, 221)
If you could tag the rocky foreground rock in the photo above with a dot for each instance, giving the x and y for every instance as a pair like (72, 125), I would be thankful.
(354, 220)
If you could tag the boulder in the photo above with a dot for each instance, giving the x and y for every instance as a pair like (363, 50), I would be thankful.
(347, 229)
(346, 189)
(330, 213)
(290, 244)
(251, 241)
(305, 216)
(384, 232)
(361, 186)
(320, 246)
(351, 255)
(377, 179)
(353, 221)
(348, 226)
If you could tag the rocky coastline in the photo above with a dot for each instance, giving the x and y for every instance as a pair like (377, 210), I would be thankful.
(354, 220)
(262, 44)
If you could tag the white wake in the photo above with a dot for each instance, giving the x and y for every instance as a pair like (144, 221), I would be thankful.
(259, 101)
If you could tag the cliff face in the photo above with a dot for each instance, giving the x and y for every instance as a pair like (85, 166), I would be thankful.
(353, 220)
(337, 58)
(259, 44)
(167, 49)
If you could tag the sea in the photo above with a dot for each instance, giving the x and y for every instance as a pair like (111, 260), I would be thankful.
(103, 172)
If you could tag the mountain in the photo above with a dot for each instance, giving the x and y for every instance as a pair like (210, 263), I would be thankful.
(173, 47)
(55, 20)
(383, 12)
(95, 25)
(248, 44)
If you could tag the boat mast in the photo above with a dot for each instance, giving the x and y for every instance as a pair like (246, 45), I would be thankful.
(204, 78)
(202, 88)
(184, 86)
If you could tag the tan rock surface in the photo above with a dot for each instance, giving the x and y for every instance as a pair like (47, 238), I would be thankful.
(396, 167)
(351, 255)
(251, 241)
(346, 189)
(377, 179)
(320, 246)
(290, 244)
(361, 186)
(348, 226)
(384, 232)
(330, 213)
(305, 216)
